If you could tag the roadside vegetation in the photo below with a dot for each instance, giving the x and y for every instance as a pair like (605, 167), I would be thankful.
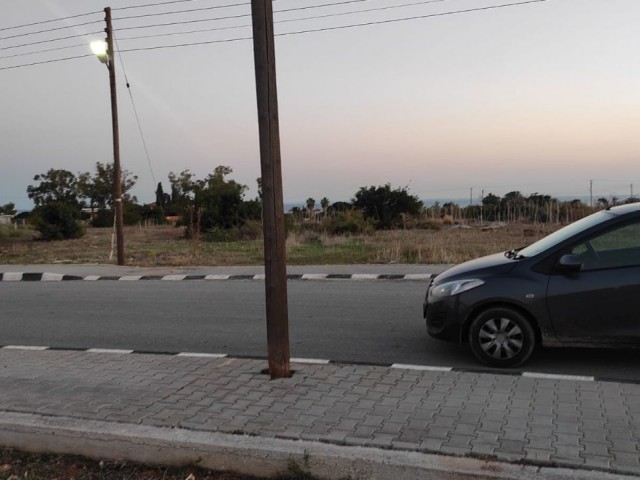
(209, 222)
(165, 245)
(17, 465)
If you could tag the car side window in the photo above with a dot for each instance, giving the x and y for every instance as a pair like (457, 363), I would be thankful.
(615, 248)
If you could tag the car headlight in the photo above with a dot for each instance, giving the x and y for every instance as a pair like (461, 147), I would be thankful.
(449, 289)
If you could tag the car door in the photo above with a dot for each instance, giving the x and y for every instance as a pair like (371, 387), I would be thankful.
(600, 303)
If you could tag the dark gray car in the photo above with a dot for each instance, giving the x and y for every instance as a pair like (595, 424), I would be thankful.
(579, 286)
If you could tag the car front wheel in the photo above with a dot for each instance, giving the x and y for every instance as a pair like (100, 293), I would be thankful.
(501, 337)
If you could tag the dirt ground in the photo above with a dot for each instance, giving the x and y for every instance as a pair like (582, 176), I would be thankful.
(16, 465)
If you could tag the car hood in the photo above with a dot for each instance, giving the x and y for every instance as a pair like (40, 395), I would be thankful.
(479, 267)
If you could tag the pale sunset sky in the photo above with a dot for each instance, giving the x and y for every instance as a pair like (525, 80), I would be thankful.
(539, 97)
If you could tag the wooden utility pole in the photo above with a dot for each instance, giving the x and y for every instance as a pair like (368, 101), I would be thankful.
(117, 175)
(272, 202)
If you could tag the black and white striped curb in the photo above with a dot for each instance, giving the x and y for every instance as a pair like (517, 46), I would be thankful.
(320, 361)
(58, 277)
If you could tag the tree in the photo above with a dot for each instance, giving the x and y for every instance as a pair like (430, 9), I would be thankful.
(310, 204)
(215, 202)
(491, 207)
(97, 189)
(55, 186)
(220, 200)
(324, 203)
(183, 188)
(338, 207)
(58, 205)
(511, 205)
(8, 209)
(386, 207)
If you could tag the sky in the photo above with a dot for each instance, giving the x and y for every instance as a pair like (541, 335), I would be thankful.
(540, 97)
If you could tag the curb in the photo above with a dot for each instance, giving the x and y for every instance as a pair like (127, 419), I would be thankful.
(322, 361)
(58, 277)
(258, 456)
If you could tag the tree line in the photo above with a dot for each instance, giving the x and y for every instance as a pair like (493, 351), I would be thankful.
(516, 207)
(215, 207)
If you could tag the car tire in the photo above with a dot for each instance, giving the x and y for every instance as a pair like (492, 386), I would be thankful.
(501, 337)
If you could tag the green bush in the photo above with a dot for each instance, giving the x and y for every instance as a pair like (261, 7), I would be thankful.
(348, 222)
(132, 214)
(251, 230)
(58, 221)
(102, 219)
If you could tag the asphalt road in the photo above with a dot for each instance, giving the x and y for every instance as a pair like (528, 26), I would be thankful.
(342, 320)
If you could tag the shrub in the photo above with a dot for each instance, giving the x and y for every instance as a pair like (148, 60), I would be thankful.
(349, 222)
(251, 230)
(58, 221)
(102, 219)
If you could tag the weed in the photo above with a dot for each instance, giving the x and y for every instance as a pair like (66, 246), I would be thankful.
(164, 245)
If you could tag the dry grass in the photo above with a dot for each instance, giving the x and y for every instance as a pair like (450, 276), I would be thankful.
(165, 246)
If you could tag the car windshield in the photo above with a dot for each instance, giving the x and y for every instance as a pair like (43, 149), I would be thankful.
(564, 233)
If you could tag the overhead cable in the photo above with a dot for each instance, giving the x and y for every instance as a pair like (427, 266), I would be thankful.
(51, 30)
(135, 111)
(340, 27)
(244, 15)
(47, 61)
(152, 4)
(229, 40)
(40, 42)
(43, 51)
(315, 17)
(226, 40)
(49, 21)
(417, 17)
(190, 10)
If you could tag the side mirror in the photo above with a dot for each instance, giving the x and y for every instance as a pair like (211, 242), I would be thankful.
(570, 263)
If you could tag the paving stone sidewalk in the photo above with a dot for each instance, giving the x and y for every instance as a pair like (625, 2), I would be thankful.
(581, 424)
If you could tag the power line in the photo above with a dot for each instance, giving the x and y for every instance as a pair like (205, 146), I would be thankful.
(42, 51)
(135, 111)
(221, 18)
(226, 40)
(152, 4)
(46, 61)
(229, 40)
(417, 17)
(40, 42)
(215, 7)
(48, 21)
(187, 32)
(50, 30)
(315, 17)
(379, 22)
(230, 17)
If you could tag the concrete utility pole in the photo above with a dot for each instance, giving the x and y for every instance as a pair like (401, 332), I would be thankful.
(272, 202)
(117, 175)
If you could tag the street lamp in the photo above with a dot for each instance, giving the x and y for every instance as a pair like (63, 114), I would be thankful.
(103, 49)
(100, 49)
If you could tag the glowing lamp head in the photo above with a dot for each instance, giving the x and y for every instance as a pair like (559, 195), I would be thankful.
(100, 50)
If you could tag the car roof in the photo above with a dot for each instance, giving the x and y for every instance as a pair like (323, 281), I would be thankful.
(624, 209)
